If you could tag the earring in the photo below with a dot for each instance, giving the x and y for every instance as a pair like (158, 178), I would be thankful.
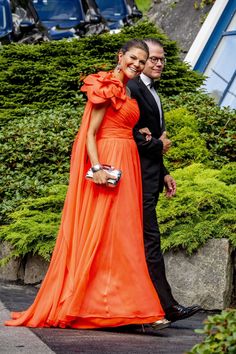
(118, 68)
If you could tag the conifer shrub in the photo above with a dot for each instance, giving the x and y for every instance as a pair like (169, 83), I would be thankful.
(203, 208)
(228, 173)
(50, 74)
(187, 144)
(35, 224)
(40, 111)
(215, 124)
(41, 105)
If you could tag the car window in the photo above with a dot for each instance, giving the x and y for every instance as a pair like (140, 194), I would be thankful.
(2, 17)
(112, 8)
(58, 10)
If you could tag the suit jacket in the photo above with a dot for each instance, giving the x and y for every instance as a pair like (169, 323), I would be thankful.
(151, 159)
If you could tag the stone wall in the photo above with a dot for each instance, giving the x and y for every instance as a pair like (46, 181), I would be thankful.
(31, 270)
(204, 278)
(179, 19)
(10, 272)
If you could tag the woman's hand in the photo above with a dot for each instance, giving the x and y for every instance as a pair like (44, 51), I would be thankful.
(146, 132)
(101, 177)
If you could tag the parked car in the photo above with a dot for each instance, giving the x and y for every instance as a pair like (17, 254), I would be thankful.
(19, 22)
(70, 18)
(119, 13)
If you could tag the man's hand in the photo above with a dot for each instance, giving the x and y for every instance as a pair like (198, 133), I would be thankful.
(166, 142)
(170, 186)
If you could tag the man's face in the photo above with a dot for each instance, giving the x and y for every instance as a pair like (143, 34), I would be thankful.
(155, 63)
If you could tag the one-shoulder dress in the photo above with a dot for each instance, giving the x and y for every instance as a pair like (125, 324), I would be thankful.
(98, 275)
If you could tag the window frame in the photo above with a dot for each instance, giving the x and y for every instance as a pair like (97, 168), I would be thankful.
(218, 33)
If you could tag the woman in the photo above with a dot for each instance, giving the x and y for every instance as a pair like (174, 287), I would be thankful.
(98, 275)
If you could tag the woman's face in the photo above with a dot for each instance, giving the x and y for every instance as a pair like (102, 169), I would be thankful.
(132, 62)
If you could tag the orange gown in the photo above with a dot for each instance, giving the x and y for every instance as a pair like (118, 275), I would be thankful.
(98, 275)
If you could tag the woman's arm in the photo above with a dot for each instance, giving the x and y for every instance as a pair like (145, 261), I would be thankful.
(97, 115)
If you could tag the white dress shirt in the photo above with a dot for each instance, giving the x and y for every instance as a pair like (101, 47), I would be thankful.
(147, 81)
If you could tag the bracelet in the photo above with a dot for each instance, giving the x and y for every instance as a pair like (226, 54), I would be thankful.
(96, 168)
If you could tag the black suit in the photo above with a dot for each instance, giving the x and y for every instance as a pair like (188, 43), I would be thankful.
(153, 172)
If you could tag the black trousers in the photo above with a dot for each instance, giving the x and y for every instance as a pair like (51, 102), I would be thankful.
(154, 256)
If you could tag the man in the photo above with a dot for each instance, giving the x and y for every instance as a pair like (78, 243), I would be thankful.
(152, 143)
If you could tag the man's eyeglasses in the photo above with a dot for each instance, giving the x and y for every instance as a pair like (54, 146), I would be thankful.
(155, 60)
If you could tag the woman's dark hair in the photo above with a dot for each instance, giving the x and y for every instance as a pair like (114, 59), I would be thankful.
(135, 43)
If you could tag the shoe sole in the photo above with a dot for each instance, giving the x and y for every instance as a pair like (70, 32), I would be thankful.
(161, 325)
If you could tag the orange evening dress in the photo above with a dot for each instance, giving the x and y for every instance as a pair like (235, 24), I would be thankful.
(98, 275)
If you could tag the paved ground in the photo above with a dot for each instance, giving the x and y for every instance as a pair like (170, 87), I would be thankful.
(177, 339)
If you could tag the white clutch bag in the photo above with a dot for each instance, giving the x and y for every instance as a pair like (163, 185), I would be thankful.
(109, 169)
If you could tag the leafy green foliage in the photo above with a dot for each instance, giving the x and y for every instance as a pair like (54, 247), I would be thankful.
(50, 74)
(35, 224)
(44, 75)
(40, 112)
(200, 4)
(41, 106)
(187, 145)
(36, 152)
(220, 334)
(228, 173)
(216, 125)
(203, 208)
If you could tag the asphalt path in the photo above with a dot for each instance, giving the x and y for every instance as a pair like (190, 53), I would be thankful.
(177, 339)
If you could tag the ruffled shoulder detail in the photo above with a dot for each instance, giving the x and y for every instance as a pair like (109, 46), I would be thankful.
(102, 87)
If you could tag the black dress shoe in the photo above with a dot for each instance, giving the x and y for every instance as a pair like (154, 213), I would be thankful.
(178, 312)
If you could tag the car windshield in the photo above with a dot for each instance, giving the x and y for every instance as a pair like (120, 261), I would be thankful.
(2, 17)
(111, 9)
(58, 9)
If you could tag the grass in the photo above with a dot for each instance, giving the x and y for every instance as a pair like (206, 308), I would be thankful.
(144, 5)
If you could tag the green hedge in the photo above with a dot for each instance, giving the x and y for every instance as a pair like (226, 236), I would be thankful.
(41, 105)
(35, 152)
(187, 144)
(34, 225)
(40, 112)
(216, 125)
(203, 208)
(49, 74)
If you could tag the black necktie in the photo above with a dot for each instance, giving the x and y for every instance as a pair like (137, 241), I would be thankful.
(154, 84)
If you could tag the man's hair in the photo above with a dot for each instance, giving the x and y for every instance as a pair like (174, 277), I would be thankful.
(153, 41)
